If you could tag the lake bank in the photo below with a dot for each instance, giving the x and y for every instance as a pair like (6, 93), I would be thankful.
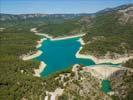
(29, 57)
(98, 61)
(40, 69)
(41, 66)
(57, 38)
(37, 54)
(39, 43)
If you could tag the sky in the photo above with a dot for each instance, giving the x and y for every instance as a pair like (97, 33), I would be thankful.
(57, 6)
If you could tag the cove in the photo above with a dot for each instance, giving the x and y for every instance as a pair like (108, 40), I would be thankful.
(60, 54)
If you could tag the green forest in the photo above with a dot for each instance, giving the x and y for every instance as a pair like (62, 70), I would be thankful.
(107, 34)
(16, 76)
(69, 27)
(15, 83)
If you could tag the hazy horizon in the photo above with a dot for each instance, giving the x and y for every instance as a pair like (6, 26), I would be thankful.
(58, 6)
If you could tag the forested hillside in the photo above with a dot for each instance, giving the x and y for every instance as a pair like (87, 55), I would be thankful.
(110, 33)
(16, 79)
(69, 27)
(16, 76)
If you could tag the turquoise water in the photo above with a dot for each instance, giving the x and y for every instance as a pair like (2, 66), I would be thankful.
(60, 54)
(106, 87)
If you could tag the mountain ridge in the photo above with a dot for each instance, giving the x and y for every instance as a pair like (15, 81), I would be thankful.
(4, 17)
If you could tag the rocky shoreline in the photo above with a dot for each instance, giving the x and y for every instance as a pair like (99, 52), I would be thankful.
(58, 38)
(40, 69)
(97, 60)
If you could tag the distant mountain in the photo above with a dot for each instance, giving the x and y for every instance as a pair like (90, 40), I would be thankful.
(10, 17)
(5, 17)
(109, 10)
(123, 12)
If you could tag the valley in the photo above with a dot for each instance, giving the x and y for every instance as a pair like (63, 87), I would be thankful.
(54, 42)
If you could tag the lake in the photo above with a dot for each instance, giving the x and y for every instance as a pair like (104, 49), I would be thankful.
(60, 54)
